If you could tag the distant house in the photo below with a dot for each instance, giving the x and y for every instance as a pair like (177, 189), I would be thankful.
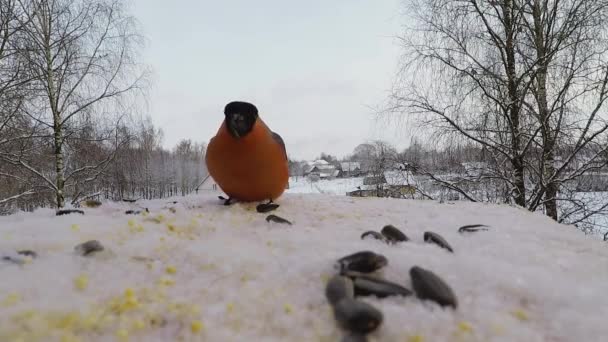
(396, 184)
(350, 169)
(321, 169)
(374, 180)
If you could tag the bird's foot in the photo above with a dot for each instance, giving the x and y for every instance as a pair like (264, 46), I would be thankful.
(227, 201)
(266, 207)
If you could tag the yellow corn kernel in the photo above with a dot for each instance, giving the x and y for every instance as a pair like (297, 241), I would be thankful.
(75, 227)
(520, 314)
(11, 299)
(166, 281)
(138, 324)
(122, 334)
(81, 282)
(171, 270)
(415, 338)
(129, 293)
(465, 327)
(196, 326)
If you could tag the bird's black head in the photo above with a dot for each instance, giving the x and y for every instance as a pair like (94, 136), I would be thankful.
(240, 118)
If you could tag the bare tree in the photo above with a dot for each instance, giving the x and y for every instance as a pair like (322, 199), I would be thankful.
(567, 48)
(14, 130)
(524, 80)
(82, 59)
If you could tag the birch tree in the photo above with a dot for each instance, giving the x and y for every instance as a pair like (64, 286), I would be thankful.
(82, 56)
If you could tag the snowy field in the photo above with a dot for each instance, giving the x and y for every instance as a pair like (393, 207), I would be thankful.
(199, 271)
(337, 186)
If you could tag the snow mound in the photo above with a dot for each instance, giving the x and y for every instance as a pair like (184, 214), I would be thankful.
(200, 271)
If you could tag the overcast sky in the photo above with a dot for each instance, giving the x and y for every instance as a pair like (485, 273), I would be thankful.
(312, 68)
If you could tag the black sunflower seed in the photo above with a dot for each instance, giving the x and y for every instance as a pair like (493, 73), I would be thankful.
(429, 286)
(266, 207)
(277, 219)
(357, 316)
(437, 239)
(89, 247)
(27, 252)
(393, 234)
(472, 228)
(14, 260)
(338, 288)
(373, 234)
(364, 261)
(373, 286)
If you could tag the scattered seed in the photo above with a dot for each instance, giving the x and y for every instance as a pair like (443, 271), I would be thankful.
(89, 247)
(277, 219)
(437, 239)
(141, 259)
(266, 207)
(14, 260)
(364, 261)
(338, 288)
(373, 234)
(429, 286)
(373, 286)
(472, 228)
(29, 253)
(357, 316)
(393, 234)
(68, 211)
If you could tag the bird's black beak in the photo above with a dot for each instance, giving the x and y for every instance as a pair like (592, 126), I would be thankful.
(237, 125)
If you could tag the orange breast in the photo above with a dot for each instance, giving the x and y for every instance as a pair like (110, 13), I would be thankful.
(253, 168)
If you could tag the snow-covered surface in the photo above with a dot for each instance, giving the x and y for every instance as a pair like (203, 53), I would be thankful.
(232, 276)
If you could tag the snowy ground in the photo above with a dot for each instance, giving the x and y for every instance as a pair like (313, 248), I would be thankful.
(207, 272)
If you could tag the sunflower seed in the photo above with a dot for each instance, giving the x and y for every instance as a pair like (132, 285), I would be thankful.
(357, 316)
(277, 219)
(14, 259)
(89, 247)
(373, 234)
(373, 286)
(472, 228)
(429, 286)
(266, 207)
(364, 261)
(338, 288)
(393, 234)
(437, 239)
(29, 253)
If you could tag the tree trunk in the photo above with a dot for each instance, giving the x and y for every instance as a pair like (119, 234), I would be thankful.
(517, 160)
(59, 178)
(548, 137)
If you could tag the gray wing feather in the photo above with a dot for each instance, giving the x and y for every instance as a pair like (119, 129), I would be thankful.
(278, 139)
